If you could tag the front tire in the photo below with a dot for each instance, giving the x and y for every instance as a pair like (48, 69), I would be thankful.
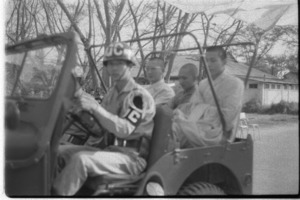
(200, 188)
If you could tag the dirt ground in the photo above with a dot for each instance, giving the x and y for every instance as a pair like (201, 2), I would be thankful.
(276, 159)
(276, 154)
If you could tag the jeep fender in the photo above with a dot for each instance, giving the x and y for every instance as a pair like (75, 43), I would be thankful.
(230, 165)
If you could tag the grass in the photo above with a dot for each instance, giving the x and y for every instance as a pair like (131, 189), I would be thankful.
(275, 119)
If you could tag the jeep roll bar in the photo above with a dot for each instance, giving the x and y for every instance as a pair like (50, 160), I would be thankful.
(196, 48)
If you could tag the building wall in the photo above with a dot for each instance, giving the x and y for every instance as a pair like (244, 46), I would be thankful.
(272, 93)
(286, 92)
(253, 93)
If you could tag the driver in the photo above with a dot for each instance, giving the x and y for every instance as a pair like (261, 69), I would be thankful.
(126, 112)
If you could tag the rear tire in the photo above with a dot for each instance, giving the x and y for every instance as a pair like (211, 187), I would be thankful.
(200, 188)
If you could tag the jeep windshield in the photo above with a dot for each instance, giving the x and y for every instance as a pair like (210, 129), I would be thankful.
(32, 69)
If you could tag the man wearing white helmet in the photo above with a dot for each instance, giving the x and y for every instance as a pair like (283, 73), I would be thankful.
(126, 112)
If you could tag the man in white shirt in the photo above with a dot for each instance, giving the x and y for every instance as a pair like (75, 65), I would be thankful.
(203, 127)
(160, 91)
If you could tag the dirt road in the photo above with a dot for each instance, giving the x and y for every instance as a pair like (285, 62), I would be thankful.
(276, 160)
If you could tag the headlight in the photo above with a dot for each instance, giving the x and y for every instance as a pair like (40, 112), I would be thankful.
(154, 189)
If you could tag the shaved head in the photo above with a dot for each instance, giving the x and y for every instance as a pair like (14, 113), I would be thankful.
(187, 75)
(191, 69)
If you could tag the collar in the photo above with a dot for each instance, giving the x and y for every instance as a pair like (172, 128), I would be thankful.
(220, 77)
(191, 89)
(130, 85)
(158, 83)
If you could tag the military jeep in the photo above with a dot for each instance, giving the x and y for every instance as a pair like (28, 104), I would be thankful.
(39, 88)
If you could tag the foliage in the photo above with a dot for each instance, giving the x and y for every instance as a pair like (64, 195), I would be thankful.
(252, 106)
(282, 62)
(274, 64)
(282, 107)
(263, 41)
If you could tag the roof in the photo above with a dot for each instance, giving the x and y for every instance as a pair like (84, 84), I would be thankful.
(232, 67)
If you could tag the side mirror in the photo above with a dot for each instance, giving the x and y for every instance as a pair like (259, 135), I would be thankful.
(12, 115)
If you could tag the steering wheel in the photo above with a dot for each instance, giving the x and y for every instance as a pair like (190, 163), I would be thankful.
(85, 124)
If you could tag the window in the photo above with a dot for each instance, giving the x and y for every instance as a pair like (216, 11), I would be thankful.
(273, 86)
(292, 87)
(278, 86)
(285, 87)
(35, 74)
(296, 87)
(267, 86)
(253, 86)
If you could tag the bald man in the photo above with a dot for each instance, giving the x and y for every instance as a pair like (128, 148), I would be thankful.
(187, 75)
(202, 126)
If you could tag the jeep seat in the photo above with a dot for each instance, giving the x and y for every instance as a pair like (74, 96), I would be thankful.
(161, 134)
(158, 147)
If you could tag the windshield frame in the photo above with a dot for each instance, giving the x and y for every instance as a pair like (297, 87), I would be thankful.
(25, 47)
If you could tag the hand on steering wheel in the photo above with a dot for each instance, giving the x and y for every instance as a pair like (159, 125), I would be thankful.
(81, 115)
(85, 101)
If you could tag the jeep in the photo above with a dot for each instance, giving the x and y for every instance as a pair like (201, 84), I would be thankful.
(39, 89)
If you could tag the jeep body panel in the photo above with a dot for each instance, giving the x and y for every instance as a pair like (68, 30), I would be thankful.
(173, 169)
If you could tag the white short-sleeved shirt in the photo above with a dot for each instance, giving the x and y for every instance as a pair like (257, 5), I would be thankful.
(161, 92)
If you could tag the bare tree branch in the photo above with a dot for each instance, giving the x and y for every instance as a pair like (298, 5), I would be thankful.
(99, 15)
(137, 35)
(63, 7)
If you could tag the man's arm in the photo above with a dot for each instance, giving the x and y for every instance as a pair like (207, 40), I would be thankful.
(230, 100)
(171, 103)
(232, 104)
(121, 126)
(164, 96)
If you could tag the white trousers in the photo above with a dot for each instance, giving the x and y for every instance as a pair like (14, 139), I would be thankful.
(77, 163)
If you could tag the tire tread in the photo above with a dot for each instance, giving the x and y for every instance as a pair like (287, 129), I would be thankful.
(200, 188)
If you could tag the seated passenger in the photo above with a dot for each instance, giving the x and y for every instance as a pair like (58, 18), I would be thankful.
(203, 127)
(187, 75)
(160, 91)
(127, 112)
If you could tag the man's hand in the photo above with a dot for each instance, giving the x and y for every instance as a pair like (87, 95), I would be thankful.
(85, 101)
